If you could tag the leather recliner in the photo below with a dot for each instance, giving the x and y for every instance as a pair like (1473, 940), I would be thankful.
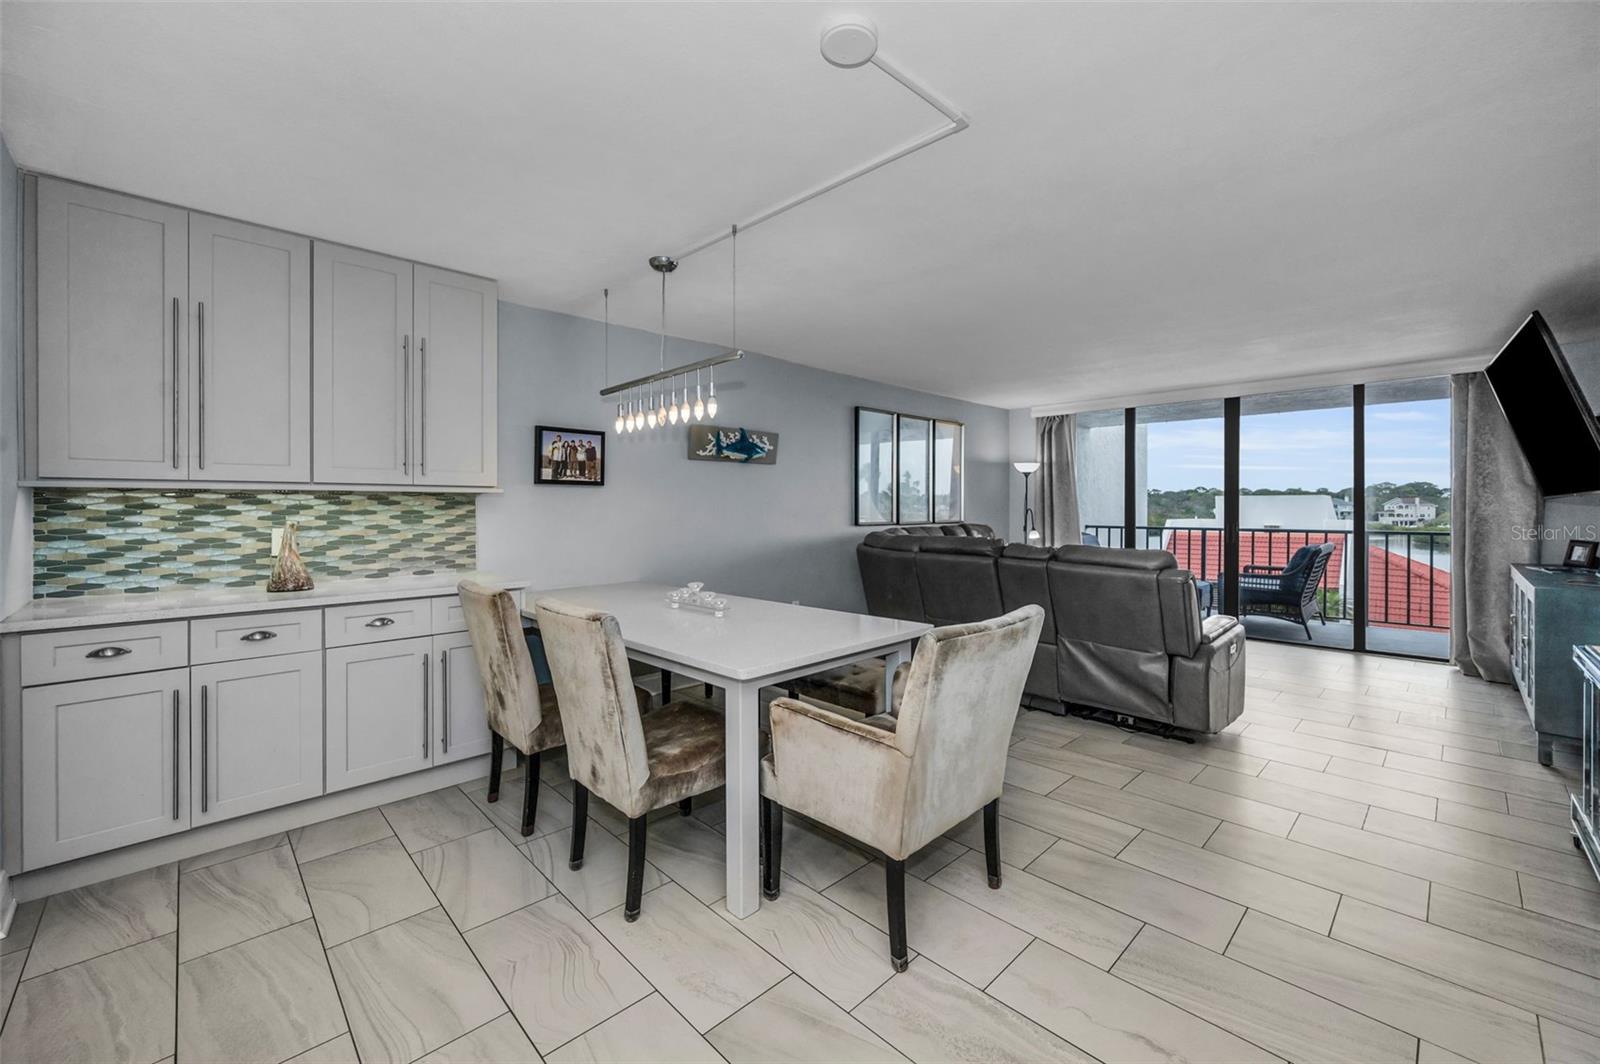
(1122, 629)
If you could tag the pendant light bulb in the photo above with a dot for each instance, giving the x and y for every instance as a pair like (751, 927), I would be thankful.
(711, 401)
(619, 417)
(672, 405)
(650, 411)
(699, 402)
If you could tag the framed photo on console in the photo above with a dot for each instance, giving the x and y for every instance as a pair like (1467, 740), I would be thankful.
(1581, 554)
(569, 456)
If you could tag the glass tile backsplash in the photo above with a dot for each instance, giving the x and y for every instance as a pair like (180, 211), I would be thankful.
(117, 542)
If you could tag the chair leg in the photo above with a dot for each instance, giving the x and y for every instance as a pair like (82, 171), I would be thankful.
(530, 794)
(895, 888)
(1307, 627)
(636, 837)
(580, 824)
(991, 841)
(772, 833)
(686, 807)
(497, 750)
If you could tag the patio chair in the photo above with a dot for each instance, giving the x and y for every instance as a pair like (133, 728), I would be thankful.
(1287, 591)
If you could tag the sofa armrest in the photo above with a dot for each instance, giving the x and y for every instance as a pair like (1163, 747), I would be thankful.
(1216, 627)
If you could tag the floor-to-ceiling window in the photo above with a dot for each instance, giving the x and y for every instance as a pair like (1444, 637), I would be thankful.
(1099, 451)
(1408, 516)
(1318, 516)
(1178, 487)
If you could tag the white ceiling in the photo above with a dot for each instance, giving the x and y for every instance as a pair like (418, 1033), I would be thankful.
(1150, 197)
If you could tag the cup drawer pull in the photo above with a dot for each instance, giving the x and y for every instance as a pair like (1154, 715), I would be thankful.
(259, 636)
(380, 622)
(100, 653)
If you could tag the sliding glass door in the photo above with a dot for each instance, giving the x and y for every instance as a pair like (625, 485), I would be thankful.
(1319, 516)
(1408, 516)
(1296, 515)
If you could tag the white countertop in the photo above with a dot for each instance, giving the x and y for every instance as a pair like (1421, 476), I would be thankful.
(754, 638)
(86, 610)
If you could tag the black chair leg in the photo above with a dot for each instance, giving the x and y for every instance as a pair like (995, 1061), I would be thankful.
(636, 837)
(530, 794)
(497, 749)
(580, 824)
(772, 834)
(991, 841)
(1307, 627)
(895, 888)
(686, 807)
(666, 687)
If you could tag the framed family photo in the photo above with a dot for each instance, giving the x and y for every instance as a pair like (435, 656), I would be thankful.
(569, 456)
(1581, 554)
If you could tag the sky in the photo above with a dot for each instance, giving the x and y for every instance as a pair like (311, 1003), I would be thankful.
(1306, 449)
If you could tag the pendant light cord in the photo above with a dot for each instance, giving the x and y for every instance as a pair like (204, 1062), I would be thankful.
(607, 293)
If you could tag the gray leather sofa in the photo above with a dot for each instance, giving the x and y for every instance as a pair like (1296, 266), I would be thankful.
(1122, 629)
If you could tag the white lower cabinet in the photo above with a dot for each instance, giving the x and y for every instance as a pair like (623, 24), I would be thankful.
(379, 708)
(256, 726)
(106, 764)
(460, 729)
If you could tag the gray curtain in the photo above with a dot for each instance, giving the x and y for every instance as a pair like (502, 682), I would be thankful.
(1057, 490)
(1495, 506)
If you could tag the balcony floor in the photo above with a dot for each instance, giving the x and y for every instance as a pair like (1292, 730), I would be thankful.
(1414, 642)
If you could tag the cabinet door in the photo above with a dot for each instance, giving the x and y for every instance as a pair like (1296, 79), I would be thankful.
(378, 707)
(456, 365)
(250, 345)
(104, 764)
(257, 732)
(112, 289)
(361, 378)
(460, 729)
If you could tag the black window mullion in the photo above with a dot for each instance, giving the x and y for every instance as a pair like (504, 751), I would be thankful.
(1130, 512)
(1357, 565)
(1230, 506)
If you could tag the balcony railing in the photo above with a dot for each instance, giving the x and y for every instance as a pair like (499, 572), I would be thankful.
(1408, 572)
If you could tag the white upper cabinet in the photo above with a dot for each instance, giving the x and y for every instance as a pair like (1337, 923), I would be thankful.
(364, 367)
(112, 291)
(169, 345)
(250, 346)
(457, 356)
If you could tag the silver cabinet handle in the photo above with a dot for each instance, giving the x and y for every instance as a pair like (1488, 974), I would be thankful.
(258, 636)
(380, 622)
(405, 368)
(427, 702)
(107, 652)
(175, 753)
(205, 749)
(444, 705)
(422, 399)
(176, 325)
(200, 382)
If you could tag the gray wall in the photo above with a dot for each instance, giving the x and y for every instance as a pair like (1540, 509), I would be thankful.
(783, 531)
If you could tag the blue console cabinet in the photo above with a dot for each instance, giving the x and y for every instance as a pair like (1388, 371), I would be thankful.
(1552, 610)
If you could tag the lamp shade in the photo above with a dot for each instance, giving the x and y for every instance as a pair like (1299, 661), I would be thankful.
(1025, 467)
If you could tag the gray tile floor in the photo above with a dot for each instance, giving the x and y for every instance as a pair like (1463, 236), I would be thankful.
(1368, 866)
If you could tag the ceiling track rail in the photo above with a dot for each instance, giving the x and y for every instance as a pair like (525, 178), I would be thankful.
(954, 123)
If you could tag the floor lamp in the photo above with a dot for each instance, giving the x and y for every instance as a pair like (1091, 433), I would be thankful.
(1027, 469)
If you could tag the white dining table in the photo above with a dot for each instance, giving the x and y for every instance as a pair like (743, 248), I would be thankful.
(755, 644)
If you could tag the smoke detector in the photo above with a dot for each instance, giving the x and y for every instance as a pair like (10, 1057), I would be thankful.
(849, 44)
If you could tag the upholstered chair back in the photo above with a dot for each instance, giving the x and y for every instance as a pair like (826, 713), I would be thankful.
(510, 688)
(955, 720)
(599, 711)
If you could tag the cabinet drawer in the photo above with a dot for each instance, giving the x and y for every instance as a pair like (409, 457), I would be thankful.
(377, 622)
(448, 616)
(84, 653)
(254, 635)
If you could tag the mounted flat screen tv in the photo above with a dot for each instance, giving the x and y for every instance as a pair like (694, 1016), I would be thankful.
(1548, 412)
